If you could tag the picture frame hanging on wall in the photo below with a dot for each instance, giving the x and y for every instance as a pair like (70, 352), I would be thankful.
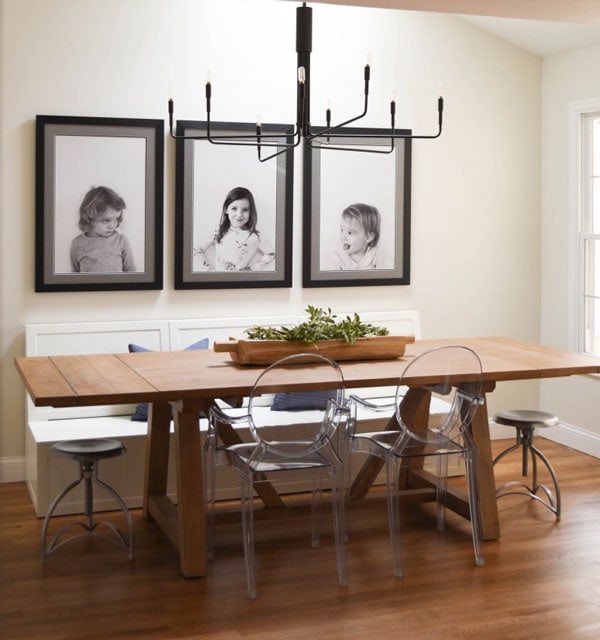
(99, 203)
(233, 213)
(357, 210)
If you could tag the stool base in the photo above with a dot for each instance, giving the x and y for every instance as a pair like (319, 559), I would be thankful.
(88, 473)
(531, 452)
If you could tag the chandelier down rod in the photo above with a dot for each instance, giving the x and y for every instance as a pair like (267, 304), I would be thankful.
(318, 138)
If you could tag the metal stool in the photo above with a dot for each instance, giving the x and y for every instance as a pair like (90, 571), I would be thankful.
(88, 453)
(526, 422)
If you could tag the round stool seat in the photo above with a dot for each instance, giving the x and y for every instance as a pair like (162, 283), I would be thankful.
(526, 418)
(90, 449)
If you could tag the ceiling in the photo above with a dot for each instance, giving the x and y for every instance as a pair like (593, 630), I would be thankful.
(542, 27)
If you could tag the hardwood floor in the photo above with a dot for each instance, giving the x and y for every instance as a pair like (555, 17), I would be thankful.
(541, 580)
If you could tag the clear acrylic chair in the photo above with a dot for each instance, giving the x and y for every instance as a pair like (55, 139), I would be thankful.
(292, 431)
(436, 399)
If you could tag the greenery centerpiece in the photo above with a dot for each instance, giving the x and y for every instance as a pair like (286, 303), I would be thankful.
(320, 325)
(347, 338)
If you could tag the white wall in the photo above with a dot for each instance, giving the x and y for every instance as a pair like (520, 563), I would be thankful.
(566, 78)
(475, 204)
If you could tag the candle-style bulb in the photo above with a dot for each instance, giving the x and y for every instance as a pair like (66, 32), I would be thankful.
(367, 78)
(171, 108)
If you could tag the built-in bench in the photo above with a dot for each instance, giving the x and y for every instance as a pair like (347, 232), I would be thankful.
(46, 475)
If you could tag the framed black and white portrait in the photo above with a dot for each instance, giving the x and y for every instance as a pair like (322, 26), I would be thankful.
(233, 213)
(357, 211)
(99, 203)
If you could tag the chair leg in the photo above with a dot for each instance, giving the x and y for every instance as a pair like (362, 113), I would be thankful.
(393, 503)
(315, 511)
(346, 450)
(441, 490)
(209, 498)
(474, 506)
(339, 524)
(248, 531)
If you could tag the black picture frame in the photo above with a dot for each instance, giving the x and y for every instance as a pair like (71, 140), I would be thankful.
(206, 174)
(74, 155)
(334, 180)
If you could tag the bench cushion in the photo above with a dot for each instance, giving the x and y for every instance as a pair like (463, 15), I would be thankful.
(302, 400)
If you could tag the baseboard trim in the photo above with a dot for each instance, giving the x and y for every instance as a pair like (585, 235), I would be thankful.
(574, 437)
(12, 469)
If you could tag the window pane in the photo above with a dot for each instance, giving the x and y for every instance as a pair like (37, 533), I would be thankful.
(591, 278)
(596, 203)
(596, 146)
(591, 300)
(588, 334)
(592, 325)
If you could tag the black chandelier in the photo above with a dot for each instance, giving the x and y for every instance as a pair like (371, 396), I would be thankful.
(303, 129)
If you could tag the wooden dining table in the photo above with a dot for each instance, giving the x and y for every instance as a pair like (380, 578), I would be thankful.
(183, 383)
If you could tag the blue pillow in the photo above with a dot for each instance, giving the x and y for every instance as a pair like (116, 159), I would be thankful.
(201, 344)
(141, 411)
(302, 400)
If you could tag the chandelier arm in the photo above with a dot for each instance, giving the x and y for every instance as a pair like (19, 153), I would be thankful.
(327, 147)
(327, 131)
(232, 143)
(301, 97)
(284, 149)
(330, 132)
(251, 138)
(380, 136)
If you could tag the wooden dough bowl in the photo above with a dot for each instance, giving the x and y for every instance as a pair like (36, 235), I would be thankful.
(265, 352)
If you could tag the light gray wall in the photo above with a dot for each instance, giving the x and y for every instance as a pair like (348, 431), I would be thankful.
(567, 78)
(475, 204)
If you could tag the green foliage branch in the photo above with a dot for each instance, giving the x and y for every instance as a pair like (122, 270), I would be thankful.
(321, 324)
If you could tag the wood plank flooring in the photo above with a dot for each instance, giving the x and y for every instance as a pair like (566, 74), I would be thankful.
(541, 580)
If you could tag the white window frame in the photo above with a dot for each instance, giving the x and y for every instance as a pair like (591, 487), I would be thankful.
(579, 111)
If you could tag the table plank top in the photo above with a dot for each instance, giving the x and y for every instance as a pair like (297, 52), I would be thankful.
(179, 375)
(67, 381)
